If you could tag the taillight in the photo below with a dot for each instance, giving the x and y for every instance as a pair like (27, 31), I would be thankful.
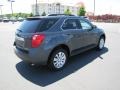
(37, 40)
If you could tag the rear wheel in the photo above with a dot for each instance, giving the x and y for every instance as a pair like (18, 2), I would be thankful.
(101, 43)
(58, 59)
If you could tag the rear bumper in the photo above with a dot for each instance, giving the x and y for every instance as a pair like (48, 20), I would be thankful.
(32, 56)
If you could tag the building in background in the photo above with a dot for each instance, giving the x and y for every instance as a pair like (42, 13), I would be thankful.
(55, 8)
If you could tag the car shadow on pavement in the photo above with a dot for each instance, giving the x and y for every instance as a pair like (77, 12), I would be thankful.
(43, 77)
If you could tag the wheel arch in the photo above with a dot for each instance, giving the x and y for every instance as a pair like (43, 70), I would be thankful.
(63, 46)
(103, 35)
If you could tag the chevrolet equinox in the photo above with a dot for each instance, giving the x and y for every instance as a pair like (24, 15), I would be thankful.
(50, 40)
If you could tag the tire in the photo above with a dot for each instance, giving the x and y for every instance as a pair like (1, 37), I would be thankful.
(101, 43)
(58, 59)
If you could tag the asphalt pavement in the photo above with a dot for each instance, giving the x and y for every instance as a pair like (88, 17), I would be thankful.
(92, 70)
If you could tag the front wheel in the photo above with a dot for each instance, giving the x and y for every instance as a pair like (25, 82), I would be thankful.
(58, 59)
(101, 43)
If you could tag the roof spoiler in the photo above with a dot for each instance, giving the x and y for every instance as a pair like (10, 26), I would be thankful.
(60, 15)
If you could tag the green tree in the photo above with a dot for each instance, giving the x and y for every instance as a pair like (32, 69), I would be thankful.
(25, 15)
(43, 14)
(8, 16)
(30, 15)
(67, 12)
(81, 11)
(15, 15)
(19, 14)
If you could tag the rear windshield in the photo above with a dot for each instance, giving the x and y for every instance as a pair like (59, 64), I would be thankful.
(39, 25)
(29, 26)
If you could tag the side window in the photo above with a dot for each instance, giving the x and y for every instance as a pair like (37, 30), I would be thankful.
(71, 24)
(85, 25)
(47, 24)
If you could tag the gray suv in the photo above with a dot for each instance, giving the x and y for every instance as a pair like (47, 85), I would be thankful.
(50, 40)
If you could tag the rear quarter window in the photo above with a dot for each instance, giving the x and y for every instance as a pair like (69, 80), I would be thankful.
(47, 24)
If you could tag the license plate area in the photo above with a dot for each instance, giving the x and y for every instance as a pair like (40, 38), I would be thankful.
(19, 41)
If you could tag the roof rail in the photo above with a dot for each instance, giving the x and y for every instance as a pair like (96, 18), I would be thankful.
(60, 15)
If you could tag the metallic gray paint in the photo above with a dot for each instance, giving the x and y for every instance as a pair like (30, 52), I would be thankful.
(55, 36)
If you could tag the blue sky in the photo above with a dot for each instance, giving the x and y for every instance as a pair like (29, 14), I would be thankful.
(102, 6)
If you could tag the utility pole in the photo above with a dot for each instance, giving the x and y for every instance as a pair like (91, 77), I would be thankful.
(11, 2)
(1, 12)
(36, 8)
(94, 6)
(12, 8)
